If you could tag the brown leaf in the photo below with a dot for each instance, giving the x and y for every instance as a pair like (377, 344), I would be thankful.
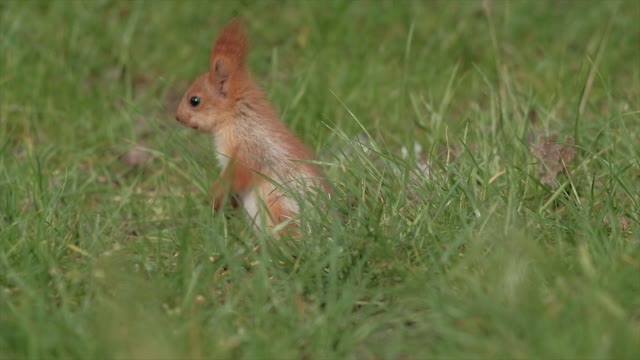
(137, 156)
(553, 156)
(623, 222)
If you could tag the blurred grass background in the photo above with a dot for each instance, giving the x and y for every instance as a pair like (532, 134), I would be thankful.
(109, 248)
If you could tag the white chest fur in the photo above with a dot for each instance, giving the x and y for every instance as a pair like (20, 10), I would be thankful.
(254, 200)
(221, 153)
(251, 204)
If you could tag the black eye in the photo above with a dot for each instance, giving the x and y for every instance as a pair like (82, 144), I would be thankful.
(194, 101)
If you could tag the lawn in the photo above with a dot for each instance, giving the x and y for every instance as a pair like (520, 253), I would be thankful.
(483, 156)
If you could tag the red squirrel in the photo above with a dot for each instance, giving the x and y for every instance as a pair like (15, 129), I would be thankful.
(255, 149)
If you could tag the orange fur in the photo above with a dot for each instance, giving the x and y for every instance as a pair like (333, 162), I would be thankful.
(232, 44)
(252, 143)
(233, 179)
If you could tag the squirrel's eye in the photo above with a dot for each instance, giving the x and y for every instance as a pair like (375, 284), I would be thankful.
(194, 101)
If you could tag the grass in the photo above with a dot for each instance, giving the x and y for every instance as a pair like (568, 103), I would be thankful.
(105, 258)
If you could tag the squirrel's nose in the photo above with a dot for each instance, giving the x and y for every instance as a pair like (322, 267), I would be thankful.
(177, 119)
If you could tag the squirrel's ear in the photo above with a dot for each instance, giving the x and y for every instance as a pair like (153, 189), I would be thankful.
(219, 74)
(229, 54)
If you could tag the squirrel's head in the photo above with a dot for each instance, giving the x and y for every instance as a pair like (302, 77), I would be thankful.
(211, 100)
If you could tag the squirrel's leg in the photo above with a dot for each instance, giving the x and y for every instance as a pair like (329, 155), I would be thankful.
(234, 179)
(280, 212)
(219, 191)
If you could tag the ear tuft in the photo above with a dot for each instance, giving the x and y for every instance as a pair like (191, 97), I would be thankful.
(232, 45)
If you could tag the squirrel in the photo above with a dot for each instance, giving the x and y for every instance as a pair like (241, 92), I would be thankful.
(257, 152)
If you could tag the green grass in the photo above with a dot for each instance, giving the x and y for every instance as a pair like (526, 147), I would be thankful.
(99, 259)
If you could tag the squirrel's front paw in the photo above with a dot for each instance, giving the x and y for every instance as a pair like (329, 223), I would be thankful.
(221, 200)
